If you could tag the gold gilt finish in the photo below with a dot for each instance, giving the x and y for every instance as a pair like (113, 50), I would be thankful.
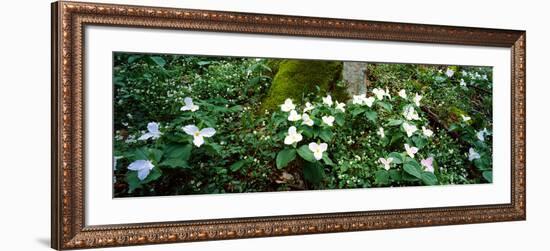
(68, 22)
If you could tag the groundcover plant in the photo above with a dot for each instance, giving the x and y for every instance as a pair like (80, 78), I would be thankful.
(203, 125)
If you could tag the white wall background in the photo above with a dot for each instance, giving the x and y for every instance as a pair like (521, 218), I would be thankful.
(25, 123)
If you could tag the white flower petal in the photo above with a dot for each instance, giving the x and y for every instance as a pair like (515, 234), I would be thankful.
(142, 174)
(190, 129)
(198, 140)
(313, 146)
(318, 155)
(208, 132)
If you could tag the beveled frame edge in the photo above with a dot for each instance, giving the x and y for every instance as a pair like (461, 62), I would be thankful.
(68, 226)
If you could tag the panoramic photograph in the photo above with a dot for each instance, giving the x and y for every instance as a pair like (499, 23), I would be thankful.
(191, 124)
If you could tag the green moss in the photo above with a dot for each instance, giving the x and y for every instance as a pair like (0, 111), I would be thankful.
(296, 79)
(273, 64)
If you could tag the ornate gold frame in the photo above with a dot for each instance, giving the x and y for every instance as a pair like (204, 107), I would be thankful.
(68, 228)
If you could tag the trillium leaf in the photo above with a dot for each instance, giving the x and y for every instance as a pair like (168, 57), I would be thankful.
(133, 181)
(327, 160)
(395, 175)
(382, 177)
(326, 135)
(175, 163)
(371, 115)
(284, 157)
(394, 122)
(178, 151)
(155, 154)
(154, 174)
(386, 106)
(141, 153)
(419, 142)
(429, 178)
(339, 118)
(397, 157)
(488, 176)
(306, 154)
(357, 111)
(313, 173)
(237, 165)
(159, 61)
(413, 170)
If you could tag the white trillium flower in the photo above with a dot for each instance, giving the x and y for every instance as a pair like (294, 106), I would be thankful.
(340, 106)
(465, 118)
(329, 120)
(403, 93)
(464, 73)
(309, 107)
(449, 72)
(386, 162)
(198, 135)
(293, 116)
(462, 83)
(410, 113)
(152, 131)
(428, 163)
(411, 150)
(472, 154)
(328, 100)
(306, 120)
(480, 136)
(359, 99)
(288, 106)
(427, 132)
(318, 149)
(143, 167)
(417, 99)
(368, 101)
(409, 129)
(292, 136)
(189, 106)
(381, 132)
(379, 93)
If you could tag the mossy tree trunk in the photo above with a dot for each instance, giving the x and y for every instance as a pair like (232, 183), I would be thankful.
(355, 76)
(296, 79)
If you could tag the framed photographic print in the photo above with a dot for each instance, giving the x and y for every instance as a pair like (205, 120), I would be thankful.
(175, 125)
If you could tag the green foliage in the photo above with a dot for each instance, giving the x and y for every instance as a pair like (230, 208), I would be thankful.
(248, 152)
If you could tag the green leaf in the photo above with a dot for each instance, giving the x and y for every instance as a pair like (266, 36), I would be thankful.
(419, 142)
(394, 122)
(155, 154)
(357, 111)
(327, 160)
(395, 175)
(386, 106)
(159, 61)
(413, 170)
(237, 165)
(154, 174)
(397, 157)
(133, 181)
(371, 115)
(326, 135)
(382, 177)
(284, 157)
(339, 118)
(175, 163)
(313, 173)
(141, 153)
(213, 148)
(429, 178)
(306, 154)
(178, 151)
(488, 175)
